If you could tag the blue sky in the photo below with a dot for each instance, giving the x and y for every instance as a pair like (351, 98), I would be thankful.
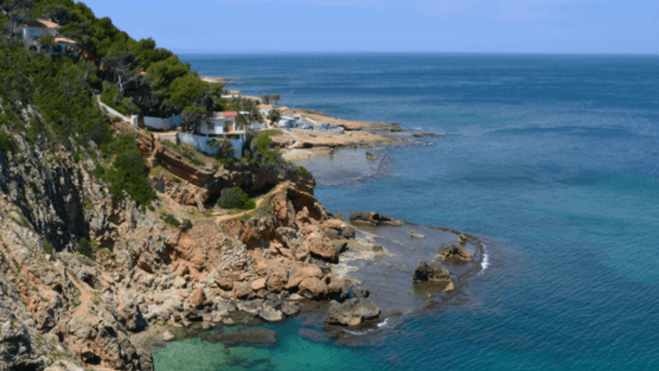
(494, 26)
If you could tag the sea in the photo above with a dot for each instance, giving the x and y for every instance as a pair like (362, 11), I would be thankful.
(551, 160)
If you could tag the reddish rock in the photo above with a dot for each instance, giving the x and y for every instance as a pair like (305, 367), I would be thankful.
(299, 272)
(277, 279)
(312, 288)
(242, 289)
(321, 248)
(258, 284)
(197, 298)
(336, 224)
(225, 283)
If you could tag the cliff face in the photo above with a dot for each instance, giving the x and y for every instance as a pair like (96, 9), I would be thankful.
(82, 274)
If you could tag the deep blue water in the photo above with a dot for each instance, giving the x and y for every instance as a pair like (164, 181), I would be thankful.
(554, 160)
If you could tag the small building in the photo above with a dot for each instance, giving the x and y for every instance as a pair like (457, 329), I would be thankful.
(289, 121)
(221, 124)
(32, 32)
(265, 109)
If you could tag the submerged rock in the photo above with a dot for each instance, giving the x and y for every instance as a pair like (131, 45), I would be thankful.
(250, 336)
(371, 156)
(352, 312)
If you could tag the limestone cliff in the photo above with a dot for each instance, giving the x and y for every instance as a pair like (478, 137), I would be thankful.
(81, 273)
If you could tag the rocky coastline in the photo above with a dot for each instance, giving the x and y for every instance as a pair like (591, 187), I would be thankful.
(139, 281)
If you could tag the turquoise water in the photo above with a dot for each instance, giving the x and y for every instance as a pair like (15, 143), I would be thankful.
(552, 160)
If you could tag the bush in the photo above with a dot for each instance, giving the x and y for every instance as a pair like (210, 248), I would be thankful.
(86, 248)
(304, 172)
(5, 142)
(129, 172)
(48, 248)
(235, 198)
(169, 219)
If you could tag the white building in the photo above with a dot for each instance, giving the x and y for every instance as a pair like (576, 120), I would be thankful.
(221, 124)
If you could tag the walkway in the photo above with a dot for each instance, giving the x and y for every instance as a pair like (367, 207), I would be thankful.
(258, 204)
(112, 111)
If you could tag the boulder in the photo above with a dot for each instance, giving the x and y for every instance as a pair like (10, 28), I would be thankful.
(373, 219)
(455, 254)
(197, 298)
(339, 288)
(312, 288)
(290, 308)
(242, 289)
(322, 249)
(371, 156)
(299, 272)
(378, 249)
(225, 283)
(360, 293)
(430, 272)
(277, 279)
(271, 314)
(339, 245)
(348, 232)
(167, 336)
(352, 312)
(258, 284)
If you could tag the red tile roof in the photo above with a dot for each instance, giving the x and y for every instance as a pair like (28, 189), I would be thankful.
(229, 114)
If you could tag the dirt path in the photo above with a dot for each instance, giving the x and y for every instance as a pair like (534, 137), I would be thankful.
(258, 203)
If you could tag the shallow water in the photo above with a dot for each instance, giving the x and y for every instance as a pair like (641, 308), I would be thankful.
(553, 161)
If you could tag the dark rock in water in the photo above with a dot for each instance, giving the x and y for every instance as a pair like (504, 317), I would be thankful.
(339, 245)
(312, 335)
(430, 272)
(352, 312)
(377, 249)
(433, 277)
(348, 232)
(250, 336)
(454, 254)
(371, 156)
(339, 287)
(360, 293)
(371, 218)
(338, 216)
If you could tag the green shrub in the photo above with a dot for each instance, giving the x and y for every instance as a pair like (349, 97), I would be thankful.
(6, 142)
(86, 247)
(235, 198)
(169, 219)
(304, 172)
(128, 172)
(48, 248)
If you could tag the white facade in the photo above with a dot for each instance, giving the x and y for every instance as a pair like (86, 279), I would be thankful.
(219, 125)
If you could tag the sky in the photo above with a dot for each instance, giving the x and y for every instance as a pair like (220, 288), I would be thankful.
(479, 26)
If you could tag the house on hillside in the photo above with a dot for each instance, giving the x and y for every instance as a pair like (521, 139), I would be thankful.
(32, 31)
(221, 124)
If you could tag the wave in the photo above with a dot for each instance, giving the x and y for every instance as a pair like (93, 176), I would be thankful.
(486, 259)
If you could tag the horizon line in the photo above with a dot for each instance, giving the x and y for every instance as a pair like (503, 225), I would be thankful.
(255, 52)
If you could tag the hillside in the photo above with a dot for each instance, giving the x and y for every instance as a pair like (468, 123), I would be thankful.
(108, 235)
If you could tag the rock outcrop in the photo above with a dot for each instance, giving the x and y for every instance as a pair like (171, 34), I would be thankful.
(372, 219)
(352, 312)
(434, 274)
